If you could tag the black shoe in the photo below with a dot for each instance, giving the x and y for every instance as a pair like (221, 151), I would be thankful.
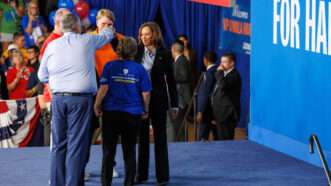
(138, 181)
(164, 183)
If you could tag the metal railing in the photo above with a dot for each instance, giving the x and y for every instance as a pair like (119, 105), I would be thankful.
(313, 138)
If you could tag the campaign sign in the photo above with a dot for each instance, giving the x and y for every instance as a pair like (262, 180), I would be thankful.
(290, 75)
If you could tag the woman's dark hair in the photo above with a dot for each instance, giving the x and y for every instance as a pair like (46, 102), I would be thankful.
(186, 38)
(157, 37)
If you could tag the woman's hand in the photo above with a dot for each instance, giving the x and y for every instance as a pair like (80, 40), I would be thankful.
(97, 110)
(145, 115)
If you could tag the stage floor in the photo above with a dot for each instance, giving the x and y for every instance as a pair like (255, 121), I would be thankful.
(233, 163)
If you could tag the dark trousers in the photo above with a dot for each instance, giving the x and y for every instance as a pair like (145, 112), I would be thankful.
(71, 118)
(206, 127)
(177, 124)
(117, 124)
(158, 120)
(226, 129)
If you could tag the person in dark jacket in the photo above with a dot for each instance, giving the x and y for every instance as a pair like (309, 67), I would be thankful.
(3, 86)
(204, 110)
(183, 77)
(226, 97)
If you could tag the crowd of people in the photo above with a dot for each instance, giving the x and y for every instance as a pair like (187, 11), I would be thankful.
(131, 84)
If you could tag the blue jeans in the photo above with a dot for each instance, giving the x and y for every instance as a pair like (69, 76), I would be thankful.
(71, 121)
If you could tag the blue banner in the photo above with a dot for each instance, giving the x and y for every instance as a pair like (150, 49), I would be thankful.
(290, 75)
(235, 28)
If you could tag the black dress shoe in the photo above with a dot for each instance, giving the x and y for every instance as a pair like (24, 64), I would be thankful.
(138, 181)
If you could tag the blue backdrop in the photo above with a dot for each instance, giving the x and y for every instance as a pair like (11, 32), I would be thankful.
(290, 87)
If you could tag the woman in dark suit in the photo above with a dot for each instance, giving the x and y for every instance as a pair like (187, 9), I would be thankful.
(157, 61)
(191, 56)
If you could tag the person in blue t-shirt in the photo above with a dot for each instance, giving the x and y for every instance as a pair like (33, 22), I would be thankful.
(33, 24)
(122, 100)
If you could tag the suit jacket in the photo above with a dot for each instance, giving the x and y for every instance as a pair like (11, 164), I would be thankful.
(183, 79)
(162, 67)
(206, 88)
(226, 96)
(193, 64)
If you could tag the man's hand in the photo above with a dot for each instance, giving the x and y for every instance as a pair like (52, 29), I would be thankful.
(102, 27)
(173, 114)
(220, 67)
(97, 110)
(199, 117)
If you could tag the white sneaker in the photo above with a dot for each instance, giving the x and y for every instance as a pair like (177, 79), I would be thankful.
(115, 173)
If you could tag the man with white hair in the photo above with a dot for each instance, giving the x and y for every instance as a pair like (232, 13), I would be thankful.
(68, 65)
(45, 97)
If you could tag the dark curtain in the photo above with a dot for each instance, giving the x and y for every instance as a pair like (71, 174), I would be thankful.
(130, 14)
(199, 22)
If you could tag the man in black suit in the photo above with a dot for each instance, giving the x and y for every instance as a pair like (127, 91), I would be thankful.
(226, 97)
(183, 77)
(157, 62)
(204, 110)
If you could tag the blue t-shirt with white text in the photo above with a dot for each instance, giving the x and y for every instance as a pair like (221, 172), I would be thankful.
(126, 81)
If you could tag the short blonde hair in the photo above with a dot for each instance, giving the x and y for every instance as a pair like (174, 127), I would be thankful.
(106, 13)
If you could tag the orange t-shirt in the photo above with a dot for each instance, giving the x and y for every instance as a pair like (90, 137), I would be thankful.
(105, 54)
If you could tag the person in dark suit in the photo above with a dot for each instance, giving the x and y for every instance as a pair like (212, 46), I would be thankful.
(204, 110)
(226, 97)
(3, 86)
(191, 56)
(183, 77)
(157, 61)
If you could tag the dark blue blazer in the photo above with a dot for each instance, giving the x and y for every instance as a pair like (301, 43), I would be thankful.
(206, 88)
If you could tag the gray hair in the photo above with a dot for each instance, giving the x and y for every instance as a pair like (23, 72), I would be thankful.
(69, 23)
(127, 48)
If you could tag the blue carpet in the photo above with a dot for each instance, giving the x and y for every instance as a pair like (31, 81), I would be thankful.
(233, 163)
